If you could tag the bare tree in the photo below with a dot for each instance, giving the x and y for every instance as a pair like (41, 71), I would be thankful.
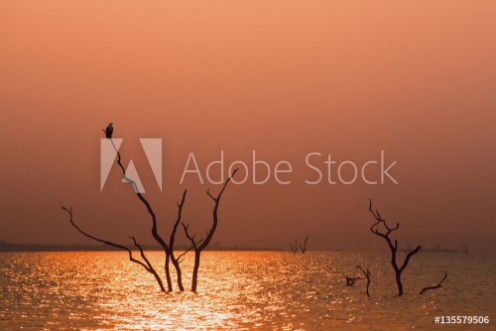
(366, 273)
(200, 244)
(146, 264)
(385, 234)
(303, 247)
(439, 285)
(167, 248)
(464, 246)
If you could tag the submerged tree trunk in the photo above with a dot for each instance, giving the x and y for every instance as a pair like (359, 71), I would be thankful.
(167, 273)
(176, 265)
(177, 260)
(398, 282)
(366, 273)
(196, 268)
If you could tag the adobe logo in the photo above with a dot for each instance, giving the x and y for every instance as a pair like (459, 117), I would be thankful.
(153, 152)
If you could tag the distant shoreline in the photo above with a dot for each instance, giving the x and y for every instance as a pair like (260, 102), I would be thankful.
(6, 247)
(9, 247)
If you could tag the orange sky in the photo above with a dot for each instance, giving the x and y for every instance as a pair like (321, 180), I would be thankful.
(284, 78)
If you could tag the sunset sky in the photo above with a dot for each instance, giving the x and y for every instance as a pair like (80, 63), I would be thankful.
(416, 79)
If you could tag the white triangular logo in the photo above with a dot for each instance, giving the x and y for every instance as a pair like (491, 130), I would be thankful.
(153, 151)
(107, 158)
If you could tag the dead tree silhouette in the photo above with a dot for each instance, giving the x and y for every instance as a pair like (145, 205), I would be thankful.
(303, 247)
(385, 234)
(439, 285)
(366, 273)
(146, 264)
(168, 248)
(200, 244)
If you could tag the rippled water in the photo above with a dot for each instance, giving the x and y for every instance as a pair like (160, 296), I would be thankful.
(240, 291)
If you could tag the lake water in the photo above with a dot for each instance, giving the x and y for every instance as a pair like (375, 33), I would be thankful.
(242, 291)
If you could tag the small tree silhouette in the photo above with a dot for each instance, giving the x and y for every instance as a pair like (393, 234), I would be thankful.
(303, 246)
(385, 234)
(366, 273)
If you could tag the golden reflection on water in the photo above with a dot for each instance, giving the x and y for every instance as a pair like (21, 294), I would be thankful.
(238, 291)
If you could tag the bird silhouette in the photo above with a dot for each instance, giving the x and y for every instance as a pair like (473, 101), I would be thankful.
(108, 131)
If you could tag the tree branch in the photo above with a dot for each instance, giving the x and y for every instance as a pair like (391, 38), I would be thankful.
(439, 285)
(200, 245)
(408, 256)
(176, 261)
(148, 267)
(155, 234)
(205, 242)
(367, 275)
(179, 258)
(191, 238)
(176, 224)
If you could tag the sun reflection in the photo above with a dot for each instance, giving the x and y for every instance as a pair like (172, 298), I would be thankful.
(237, 291)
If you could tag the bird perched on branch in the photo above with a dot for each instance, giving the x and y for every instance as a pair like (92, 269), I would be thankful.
(108, 131)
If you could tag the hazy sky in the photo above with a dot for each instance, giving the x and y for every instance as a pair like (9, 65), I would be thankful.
(285, 78)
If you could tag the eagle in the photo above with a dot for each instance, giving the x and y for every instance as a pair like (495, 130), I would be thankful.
(108, 131)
